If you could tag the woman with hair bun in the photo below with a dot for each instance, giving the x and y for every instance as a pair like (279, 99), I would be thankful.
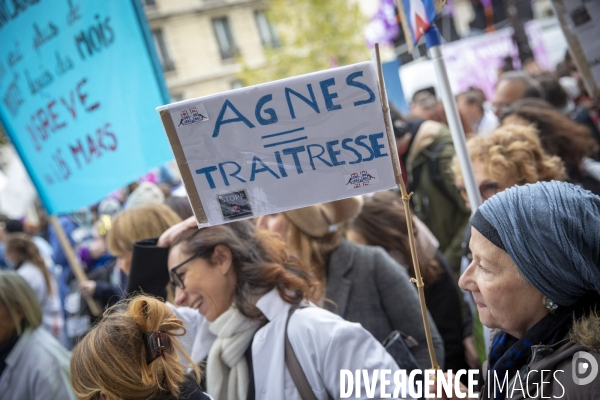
(249, 314)
(133, 353)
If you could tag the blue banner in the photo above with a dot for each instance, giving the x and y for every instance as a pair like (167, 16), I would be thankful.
(79, 84)
(393, 86)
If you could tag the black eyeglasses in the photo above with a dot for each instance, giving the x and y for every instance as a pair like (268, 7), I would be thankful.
(177, 278)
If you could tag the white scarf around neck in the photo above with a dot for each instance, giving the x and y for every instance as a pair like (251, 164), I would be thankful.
(227, 373)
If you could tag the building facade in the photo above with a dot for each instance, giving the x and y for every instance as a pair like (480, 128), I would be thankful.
(200, 42)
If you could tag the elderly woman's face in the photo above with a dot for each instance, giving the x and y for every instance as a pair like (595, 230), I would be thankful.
(505, 300)
(208, 286)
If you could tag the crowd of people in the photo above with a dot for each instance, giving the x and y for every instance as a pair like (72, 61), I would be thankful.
(276, 307)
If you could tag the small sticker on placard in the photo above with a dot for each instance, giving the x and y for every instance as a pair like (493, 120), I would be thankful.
(193, 115)
(235, 205)
(361, 179)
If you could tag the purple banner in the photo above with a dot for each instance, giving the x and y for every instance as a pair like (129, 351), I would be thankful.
(383, 28)
(475, 61)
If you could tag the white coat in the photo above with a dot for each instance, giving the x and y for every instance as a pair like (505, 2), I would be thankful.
(37, 368)
(323, 342)
(52, 317)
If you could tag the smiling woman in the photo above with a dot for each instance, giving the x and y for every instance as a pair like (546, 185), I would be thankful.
(246, 298)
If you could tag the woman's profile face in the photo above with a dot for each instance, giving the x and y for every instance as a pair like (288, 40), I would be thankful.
(505, 300)
(208, 287)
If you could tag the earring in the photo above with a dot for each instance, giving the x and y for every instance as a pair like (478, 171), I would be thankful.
(550, 305)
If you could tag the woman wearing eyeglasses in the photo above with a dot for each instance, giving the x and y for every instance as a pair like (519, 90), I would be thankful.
(245, 288)
(511, 155)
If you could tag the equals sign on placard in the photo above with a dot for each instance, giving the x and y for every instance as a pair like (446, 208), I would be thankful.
(283, 141)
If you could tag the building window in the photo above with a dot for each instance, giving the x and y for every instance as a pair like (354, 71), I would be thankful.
(224, 38)
(161, 49)
(175, 97)
(236, 84)
(266, 30)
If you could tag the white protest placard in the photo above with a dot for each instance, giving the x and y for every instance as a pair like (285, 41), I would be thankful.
(282, 145)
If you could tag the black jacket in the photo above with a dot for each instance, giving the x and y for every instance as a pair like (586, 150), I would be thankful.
(189, 390)
(149, 272)
(443, 298)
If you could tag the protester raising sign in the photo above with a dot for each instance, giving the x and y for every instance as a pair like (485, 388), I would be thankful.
(282, 145)
(79, 81)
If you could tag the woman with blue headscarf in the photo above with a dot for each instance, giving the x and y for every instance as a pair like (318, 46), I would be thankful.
(535, 277)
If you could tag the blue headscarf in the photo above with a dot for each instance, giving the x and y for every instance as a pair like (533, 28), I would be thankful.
(551, 230)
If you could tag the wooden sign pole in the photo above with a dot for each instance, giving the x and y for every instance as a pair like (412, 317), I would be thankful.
(74, 262)
(418, 280)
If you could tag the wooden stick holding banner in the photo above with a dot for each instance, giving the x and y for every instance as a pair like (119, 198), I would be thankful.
(74, 262)
(418, 280)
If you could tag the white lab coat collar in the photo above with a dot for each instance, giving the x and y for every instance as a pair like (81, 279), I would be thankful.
(272, 305)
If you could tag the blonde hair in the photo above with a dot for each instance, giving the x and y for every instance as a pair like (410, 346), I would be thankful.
(23, 245)
(313, 252)
(142, 222)
(513, 152)
(20, 301)
(111, 358)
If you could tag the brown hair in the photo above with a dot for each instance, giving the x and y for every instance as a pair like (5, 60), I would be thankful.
(260, 260)
(513, 152)
(26, 250)
(111, 358)
(181, 206)
(137, 223)
(382, 222)
(559, 135)
(314, 252)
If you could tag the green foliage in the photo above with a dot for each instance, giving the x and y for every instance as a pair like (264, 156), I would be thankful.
(314, 35)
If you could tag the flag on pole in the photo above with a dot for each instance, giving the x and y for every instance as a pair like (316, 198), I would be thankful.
(417, 16)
